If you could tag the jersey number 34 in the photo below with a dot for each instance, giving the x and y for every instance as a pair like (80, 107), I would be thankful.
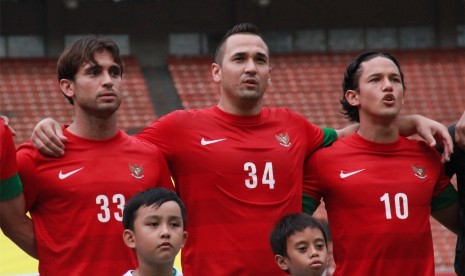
(267, 177)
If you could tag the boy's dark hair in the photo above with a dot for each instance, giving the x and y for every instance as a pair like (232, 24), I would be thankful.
(287, 226)
(81, 52)
(241, 28)
(150, 197)
(351, 81)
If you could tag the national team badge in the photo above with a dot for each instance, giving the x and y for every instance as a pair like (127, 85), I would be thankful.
(420, 172)
(283, 139)
(136, 170)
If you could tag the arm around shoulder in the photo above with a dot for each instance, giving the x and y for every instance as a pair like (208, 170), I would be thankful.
(431, 131)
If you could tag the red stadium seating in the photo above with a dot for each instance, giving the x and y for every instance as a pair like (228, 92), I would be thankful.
(29, 92)
(311, 85)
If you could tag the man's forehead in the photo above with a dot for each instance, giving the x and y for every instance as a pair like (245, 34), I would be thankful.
(96, 63)
(379, 65)
(242, 43)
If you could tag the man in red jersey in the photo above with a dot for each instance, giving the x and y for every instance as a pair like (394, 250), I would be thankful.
(379, 188)
(76, 201)
(13, 222)
(237, 165)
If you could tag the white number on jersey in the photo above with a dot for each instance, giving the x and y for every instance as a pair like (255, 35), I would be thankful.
(267, 178)
(400, 203)
(104, 203)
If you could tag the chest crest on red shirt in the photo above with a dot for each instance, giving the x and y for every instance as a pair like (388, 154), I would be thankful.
(136, 170)
(419, 171)
(283, 139)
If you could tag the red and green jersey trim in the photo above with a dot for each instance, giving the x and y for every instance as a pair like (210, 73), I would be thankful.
(446, 198)
(10, 187)
(329, 136)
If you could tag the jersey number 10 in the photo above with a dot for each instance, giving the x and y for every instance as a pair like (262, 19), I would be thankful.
(400, 203)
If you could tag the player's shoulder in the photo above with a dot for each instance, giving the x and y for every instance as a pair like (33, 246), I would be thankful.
(26, 151)
(339, 147)
(26, 147)
(419, 147)
(182, 116)
(2, 128)
(281, 111)
(134, 143)
(285, 114)
(416, 144)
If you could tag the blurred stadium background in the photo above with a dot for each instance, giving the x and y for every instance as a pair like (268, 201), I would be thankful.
(168, 48)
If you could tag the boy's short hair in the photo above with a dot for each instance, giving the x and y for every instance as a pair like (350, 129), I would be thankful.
(287, 226)
(150, 197)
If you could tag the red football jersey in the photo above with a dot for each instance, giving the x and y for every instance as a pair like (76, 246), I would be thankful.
(76, 201)
(10, 185)
(378, 198)
(237, 175)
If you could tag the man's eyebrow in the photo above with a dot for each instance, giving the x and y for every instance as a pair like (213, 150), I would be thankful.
(260, 54)
(238, 54)
(377, 74)
(115, 66)
(91, 65)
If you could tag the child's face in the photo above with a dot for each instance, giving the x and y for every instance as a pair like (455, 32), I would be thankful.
(158, 233)
(307, 251)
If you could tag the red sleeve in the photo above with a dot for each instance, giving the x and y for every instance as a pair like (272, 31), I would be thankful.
(315, 137)
(7, 153)
(160, 133)
(312, 186)
(26, 169)
(165, 178)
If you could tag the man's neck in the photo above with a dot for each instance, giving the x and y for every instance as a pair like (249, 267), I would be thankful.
(379, 133)
(94, 128)
(242, 110)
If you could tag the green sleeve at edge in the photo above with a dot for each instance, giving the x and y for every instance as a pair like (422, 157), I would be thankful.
(329, 136)
(446, 198)
(10, 187)
(309, 204)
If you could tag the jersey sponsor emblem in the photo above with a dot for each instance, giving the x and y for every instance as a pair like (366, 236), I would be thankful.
(344, 175)
(283, 139)
(205, 142)
(62, 175)
(420, 172)
(137, 171)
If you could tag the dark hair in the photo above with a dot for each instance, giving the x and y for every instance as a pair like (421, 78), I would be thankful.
(150, 197)
(287, 226)
(81, 52)
(241, 28)
(351, 81)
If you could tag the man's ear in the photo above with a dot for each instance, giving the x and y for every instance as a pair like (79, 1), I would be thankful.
(129, 238)
(67, 87)
(282, 262)
(352, 97)
(216, 72)
(184, 238)
(269, 76)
